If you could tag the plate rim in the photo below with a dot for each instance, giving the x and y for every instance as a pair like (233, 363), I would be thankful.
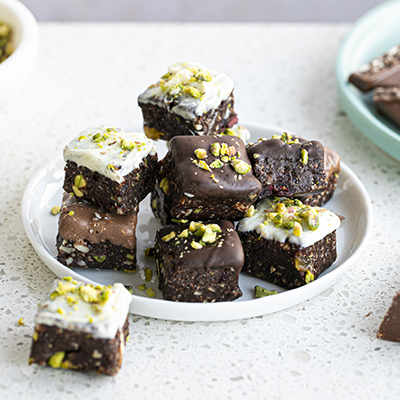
(376, 131)
(221, 311)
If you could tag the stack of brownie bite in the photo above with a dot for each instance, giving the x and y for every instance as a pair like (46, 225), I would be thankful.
(209, 180)
(108, 173)
(382, 75)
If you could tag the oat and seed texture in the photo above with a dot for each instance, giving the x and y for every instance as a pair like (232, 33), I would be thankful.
(206, 177)
(189, 99)
(110, 167)
(199, 261)
(91, 237)
(82, 327)
(287, 243)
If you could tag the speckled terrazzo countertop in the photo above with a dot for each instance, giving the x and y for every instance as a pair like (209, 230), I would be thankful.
(88, 74)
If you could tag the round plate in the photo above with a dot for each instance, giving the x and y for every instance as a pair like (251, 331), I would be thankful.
(45, 191)
(372, 35)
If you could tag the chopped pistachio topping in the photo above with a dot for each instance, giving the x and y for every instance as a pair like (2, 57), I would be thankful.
(71, 213)
(100, 259)
(142, 286)
(127, 145)
(262, 292)
(240, 166)
(55, 210)
(150, 292)
(217, 164)
(79, 181)
(203, 165)
(231, 151)
(285, 137)
(309, 277)
(184, 234)
(194, 225)
(201, 153)
(154, 204)
(215, 149)
(304, 156)
(148, 273)
(196, 245)
(179, 221)
(130, 257)
(164, 185)
(256, 155)
(224, 148)
(77, 192)
(250, 211)
(168, 237)
(196, 93)
(56, 359)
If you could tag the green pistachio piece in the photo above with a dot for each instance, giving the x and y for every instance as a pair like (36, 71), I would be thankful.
(130, 257)
(209, 236)
(79, 181)
(202, 75)
(288, 225)
(150, 292)
(196, 245)
(280, 208)
(77, 192)
(56, 359)
(179, 221)
(55, 210)
(127, 144)
(231, 151)
(309, 277)
(312, 222)
(99, 259)
(203, 165)
(297, 229)
(194, 225)
(196, 93)
(142, 287)
(164, 185)
(184, 234)
(262, 292)
(240, 166)
(304, 156)
(154, 204)
(250, 211)
(215, 149)
(148, 273)
(225, 159)
(214, 228)
(105, 294)
(224, 148)
(217, 164)
(168, 237)
(201, 153)
(200, 230)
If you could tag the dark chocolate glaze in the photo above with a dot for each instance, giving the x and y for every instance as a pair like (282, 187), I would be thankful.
(225, 252)
(390, 326)
(198, 182)
(94, 224)
(382, 71)
(387, 101)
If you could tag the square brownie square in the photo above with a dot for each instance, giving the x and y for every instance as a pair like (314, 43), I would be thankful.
(110, 167)
(91, 237)
(199, 262)
(188, 100)
(207, 177)
(288, 166)
(82, 327)
(287, 243)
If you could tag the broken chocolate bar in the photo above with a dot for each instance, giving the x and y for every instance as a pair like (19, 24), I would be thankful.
(387, 101)
(390, 326)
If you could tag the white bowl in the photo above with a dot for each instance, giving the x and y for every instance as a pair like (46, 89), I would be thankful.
(16, 69)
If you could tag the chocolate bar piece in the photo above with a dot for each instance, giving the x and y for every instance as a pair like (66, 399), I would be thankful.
(390, 326)
(199, 262)
(288, 166)
(82, 327)
(332, 171)
(382, 71)
(91, 237)
(207, 177)
(287, 243)
(188, 100)
(110, 167)
(387, 101)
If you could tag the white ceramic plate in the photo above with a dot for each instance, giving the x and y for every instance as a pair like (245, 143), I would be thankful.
(372, 35)
(45, 191)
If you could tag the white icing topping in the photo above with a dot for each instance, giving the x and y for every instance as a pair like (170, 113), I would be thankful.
(328, 222)
(239, 131)
(69, 310)
(112, 152)
(183, 76)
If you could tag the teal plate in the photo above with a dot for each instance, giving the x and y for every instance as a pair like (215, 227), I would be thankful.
(372, 35)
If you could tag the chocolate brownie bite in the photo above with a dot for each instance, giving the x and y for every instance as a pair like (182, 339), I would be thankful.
(199, 262)
(288, 166)
(91, 237)
(206, 177)
(383, 71)
(188, 100)
(387, 102)
(390, 326)
(287, 243)
(110, 167)
(82, 327)
(332, 171)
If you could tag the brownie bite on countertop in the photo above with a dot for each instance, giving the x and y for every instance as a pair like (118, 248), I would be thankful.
(390, 326)
(188, 100)
(199, 262)
(110, 167)
(288, 165)
(82, 327)
(287, 243)
(382, 71)
(206, 177)
(91, 237)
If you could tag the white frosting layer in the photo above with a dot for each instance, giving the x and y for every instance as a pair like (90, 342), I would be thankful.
(328, 222)
(69, 311)
(213, 92)
(114, 154)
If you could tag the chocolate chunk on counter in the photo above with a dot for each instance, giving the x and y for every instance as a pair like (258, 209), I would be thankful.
(199, 262)
(206, 177)
(382, 71)
(288, 166)
(91, 237)
(188, 100)
(332, 171)
(387, 102)
(82, 327)
(390, 326)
